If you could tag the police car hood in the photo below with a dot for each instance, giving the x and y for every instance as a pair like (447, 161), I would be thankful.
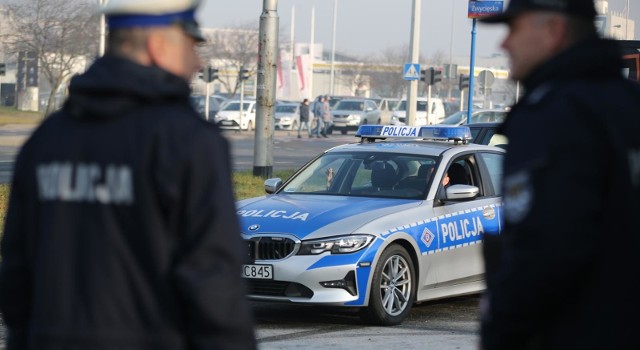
(114, 86)
(314, 216)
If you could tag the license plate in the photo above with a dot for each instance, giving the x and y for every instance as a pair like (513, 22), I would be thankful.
(226, 122)
(264, 272)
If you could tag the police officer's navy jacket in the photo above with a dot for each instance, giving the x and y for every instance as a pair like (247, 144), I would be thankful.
(121, 231)
(572, 213)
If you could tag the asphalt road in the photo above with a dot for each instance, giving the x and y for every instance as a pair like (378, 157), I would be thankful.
(449, 324)
(289, 152)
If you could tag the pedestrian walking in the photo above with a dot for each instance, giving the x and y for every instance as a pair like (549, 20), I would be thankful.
(559, 276)
(318, 113)
(121, 231)
(304, 117)
(327, 118)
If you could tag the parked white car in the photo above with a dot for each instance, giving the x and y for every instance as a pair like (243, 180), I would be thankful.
(231, 118)
(436, 112)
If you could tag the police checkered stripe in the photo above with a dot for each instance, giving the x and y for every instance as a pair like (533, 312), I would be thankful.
(396, 229)
(451, 248)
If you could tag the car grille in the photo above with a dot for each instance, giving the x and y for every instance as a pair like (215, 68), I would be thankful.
(278, 289)
(270, 248)
(402, 119)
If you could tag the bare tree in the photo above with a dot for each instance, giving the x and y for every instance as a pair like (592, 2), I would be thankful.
(230, 49)
(61, 33)
(388, 81)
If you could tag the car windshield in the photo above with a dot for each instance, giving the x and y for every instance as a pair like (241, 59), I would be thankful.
(365, 174)
(235, 106)
(286, 108)
(456, 118)
(477, 117)
(350, 106)
(196, 101)
(421, 105)
(393, 104)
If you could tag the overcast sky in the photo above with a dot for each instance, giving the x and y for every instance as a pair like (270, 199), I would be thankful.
(366, 27)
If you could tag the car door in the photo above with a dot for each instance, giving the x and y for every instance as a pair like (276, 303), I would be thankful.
(372, 113)
(461, 224)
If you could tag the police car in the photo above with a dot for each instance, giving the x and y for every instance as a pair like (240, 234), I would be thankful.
(394, 219)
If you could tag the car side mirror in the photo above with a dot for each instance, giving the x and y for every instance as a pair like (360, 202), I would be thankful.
(272, 185)
(462, 192)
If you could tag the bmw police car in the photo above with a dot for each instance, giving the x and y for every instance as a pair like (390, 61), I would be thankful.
(380, 224)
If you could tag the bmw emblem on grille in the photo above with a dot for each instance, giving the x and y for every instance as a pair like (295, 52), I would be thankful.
(254, 227)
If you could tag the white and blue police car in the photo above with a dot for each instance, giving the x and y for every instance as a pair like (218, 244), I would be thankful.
(394, 219)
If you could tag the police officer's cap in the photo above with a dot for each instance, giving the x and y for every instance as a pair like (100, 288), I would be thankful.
(577, 8)
(148, 13)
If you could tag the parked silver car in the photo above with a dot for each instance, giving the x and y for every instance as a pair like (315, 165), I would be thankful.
(349, 114)
(287, 116)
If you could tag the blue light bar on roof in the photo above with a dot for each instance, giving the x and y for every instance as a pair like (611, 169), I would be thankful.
(459, 133)
(436, 132)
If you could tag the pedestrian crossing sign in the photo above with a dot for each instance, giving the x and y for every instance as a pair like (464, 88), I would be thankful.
(411, 71)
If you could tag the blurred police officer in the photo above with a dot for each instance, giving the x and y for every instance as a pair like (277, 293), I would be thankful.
(121, 229)
(560, 276)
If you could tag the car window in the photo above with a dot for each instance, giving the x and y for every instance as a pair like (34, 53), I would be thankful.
(366, 174)
(370, 105)
(455, 119)
(232, 106)
(461, 171)
(494, 163)
(421, 106)
(286, 108)
(498, 140)
(350, 106)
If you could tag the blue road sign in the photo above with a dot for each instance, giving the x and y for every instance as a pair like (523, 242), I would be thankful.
(480, 8)
(411, 71)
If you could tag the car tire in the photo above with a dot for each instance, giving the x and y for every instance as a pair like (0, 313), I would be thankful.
(393, 288)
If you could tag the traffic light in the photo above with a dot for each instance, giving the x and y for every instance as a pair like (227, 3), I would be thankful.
(425, 75)
(3, 69)
(212, 74)
(436, 76)
(464, 82)
(243, 74)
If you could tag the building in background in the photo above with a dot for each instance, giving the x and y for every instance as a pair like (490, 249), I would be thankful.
(614, 25)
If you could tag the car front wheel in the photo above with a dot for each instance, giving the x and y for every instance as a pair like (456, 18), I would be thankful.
(392, 289)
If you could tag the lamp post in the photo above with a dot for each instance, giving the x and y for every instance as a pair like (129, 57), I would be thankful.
(412, 96)
(102, 30)
(626, 23)
(333, 48)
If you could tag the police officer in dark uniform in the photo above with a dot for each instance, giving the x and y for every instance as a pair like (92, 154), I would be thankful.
(121, 231)
(561, 275)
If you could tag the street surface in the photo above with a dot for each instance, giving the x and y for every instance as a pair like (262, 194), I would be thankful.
(450, 324)
(289, 152)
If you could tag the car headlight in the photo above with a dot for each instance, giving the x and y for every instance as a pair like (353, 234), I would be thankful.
(335, 245)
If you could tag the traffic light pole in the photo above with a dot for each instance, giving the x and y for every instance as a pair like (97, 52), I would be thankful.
(472, 67)
(429, 104)
(206, 100)
(266, 90)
